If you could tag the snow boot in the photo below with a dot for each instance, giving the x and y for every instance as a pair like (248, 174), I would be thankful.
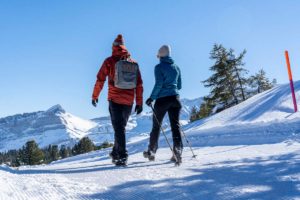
(172, 159)
(114, 158)
(149, 154)
(122, 162)
(177, 153)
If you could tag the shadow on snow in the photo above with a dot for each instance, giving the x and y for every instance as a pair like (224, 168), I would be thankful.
(277, 177)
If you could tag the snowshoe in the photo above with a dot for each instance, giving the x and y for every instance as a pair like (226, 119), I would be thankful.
(149, 154)
(121, 162)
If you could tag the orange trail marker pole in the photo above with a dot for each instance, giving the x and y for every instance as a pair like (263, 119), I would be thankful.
(291, 80)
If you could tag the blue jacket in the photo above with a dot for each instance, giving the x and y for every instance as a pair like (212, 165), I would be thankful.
(167, 79)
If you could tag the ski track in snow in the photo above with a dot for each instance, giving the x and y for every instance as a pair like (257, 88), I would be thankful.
(270, 171)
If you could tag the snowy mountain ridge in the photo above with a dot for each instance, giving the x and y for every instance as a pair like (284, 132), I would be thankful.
(56, 126)
(53, 126)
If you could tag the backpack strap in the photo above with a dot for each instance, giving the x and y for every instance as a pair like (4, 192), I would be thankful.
(111, 79)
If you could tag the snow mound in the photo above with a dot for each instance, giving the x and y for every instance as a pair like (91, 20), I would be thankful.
(274, 105)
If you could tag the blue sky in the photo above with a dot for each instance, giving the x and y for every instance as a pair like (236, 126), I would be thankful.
(51, 51)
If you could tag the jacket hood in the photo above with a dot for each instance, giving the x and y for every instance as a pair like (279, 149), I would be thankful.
(167, 59)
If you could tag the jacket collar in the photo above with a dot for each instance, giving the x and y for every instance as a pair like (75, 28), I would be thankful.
(166, 59)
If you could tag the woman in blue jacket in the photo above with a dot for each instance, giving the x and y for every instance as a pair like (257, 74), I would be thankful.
(166, 96)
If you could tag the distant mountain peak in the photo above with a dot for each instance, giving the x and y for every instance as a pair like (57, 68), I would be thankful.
(56, 109)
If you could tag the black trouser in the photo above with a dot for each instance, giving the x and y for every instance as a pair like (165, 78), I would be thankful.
(163, 105)
(119, 116)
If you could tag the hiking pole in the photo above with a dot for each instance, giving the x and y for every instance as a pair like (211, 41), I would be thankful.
(162, 130)
(188, 142)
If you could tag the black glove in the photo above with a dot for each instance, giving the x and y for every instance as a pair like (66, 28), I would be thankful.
(149, 102)
(138, 109)
(94, 102)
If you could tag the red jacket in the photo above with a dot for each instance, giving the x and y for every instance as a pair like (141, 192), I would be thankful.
(120, 96)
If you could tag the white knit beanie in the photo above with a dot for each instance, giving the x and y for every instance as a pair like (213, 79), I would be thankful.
(165, 50)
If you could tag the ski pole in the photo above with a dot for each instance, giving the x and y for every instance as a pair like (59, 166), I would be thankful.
(162, 130)
(188, 142)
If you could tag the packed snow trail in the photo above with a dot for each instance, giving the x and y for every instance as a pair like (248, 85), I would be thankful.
(225, 172)
(249, 151)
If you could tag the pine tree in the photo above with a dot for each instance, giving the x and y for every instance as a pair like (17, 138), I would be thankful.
(227, 82)
(75, 149)
(10, 158)
(238, 72)
(104, 145)
(63, 152)
(69, 150)
(54, 153)
(221, 82)
(86, 145)
(259, 82)
(194, 114)
(47, 154)
(107, 144)
(32, 155)
(23, 156)
(15, 158)
(1, 158)
(205, 108)
(18, 161)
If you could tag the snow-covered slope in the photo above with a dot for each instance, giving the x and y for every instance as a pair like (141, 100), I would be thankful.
(56, 126)
(250, 151)
(265, 118)
(273, 105)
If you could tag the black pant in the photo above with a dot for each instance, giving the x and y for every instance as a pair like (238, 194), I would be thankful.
(163, 105)
(119, 116)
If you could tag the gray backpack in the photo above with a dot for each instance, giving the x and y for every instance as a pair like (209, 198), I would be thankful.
(126, 73)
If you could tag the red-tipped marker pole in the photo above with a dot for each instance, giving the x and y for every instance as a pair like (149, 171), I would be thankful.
(291, 80)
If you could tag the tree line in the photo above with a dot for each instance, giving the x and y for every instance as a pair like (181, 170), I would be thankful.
(31, 154)
(228, 83)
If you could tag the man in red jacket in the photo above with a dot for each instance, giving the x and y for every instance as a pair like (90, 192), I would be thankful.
(120, 100)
